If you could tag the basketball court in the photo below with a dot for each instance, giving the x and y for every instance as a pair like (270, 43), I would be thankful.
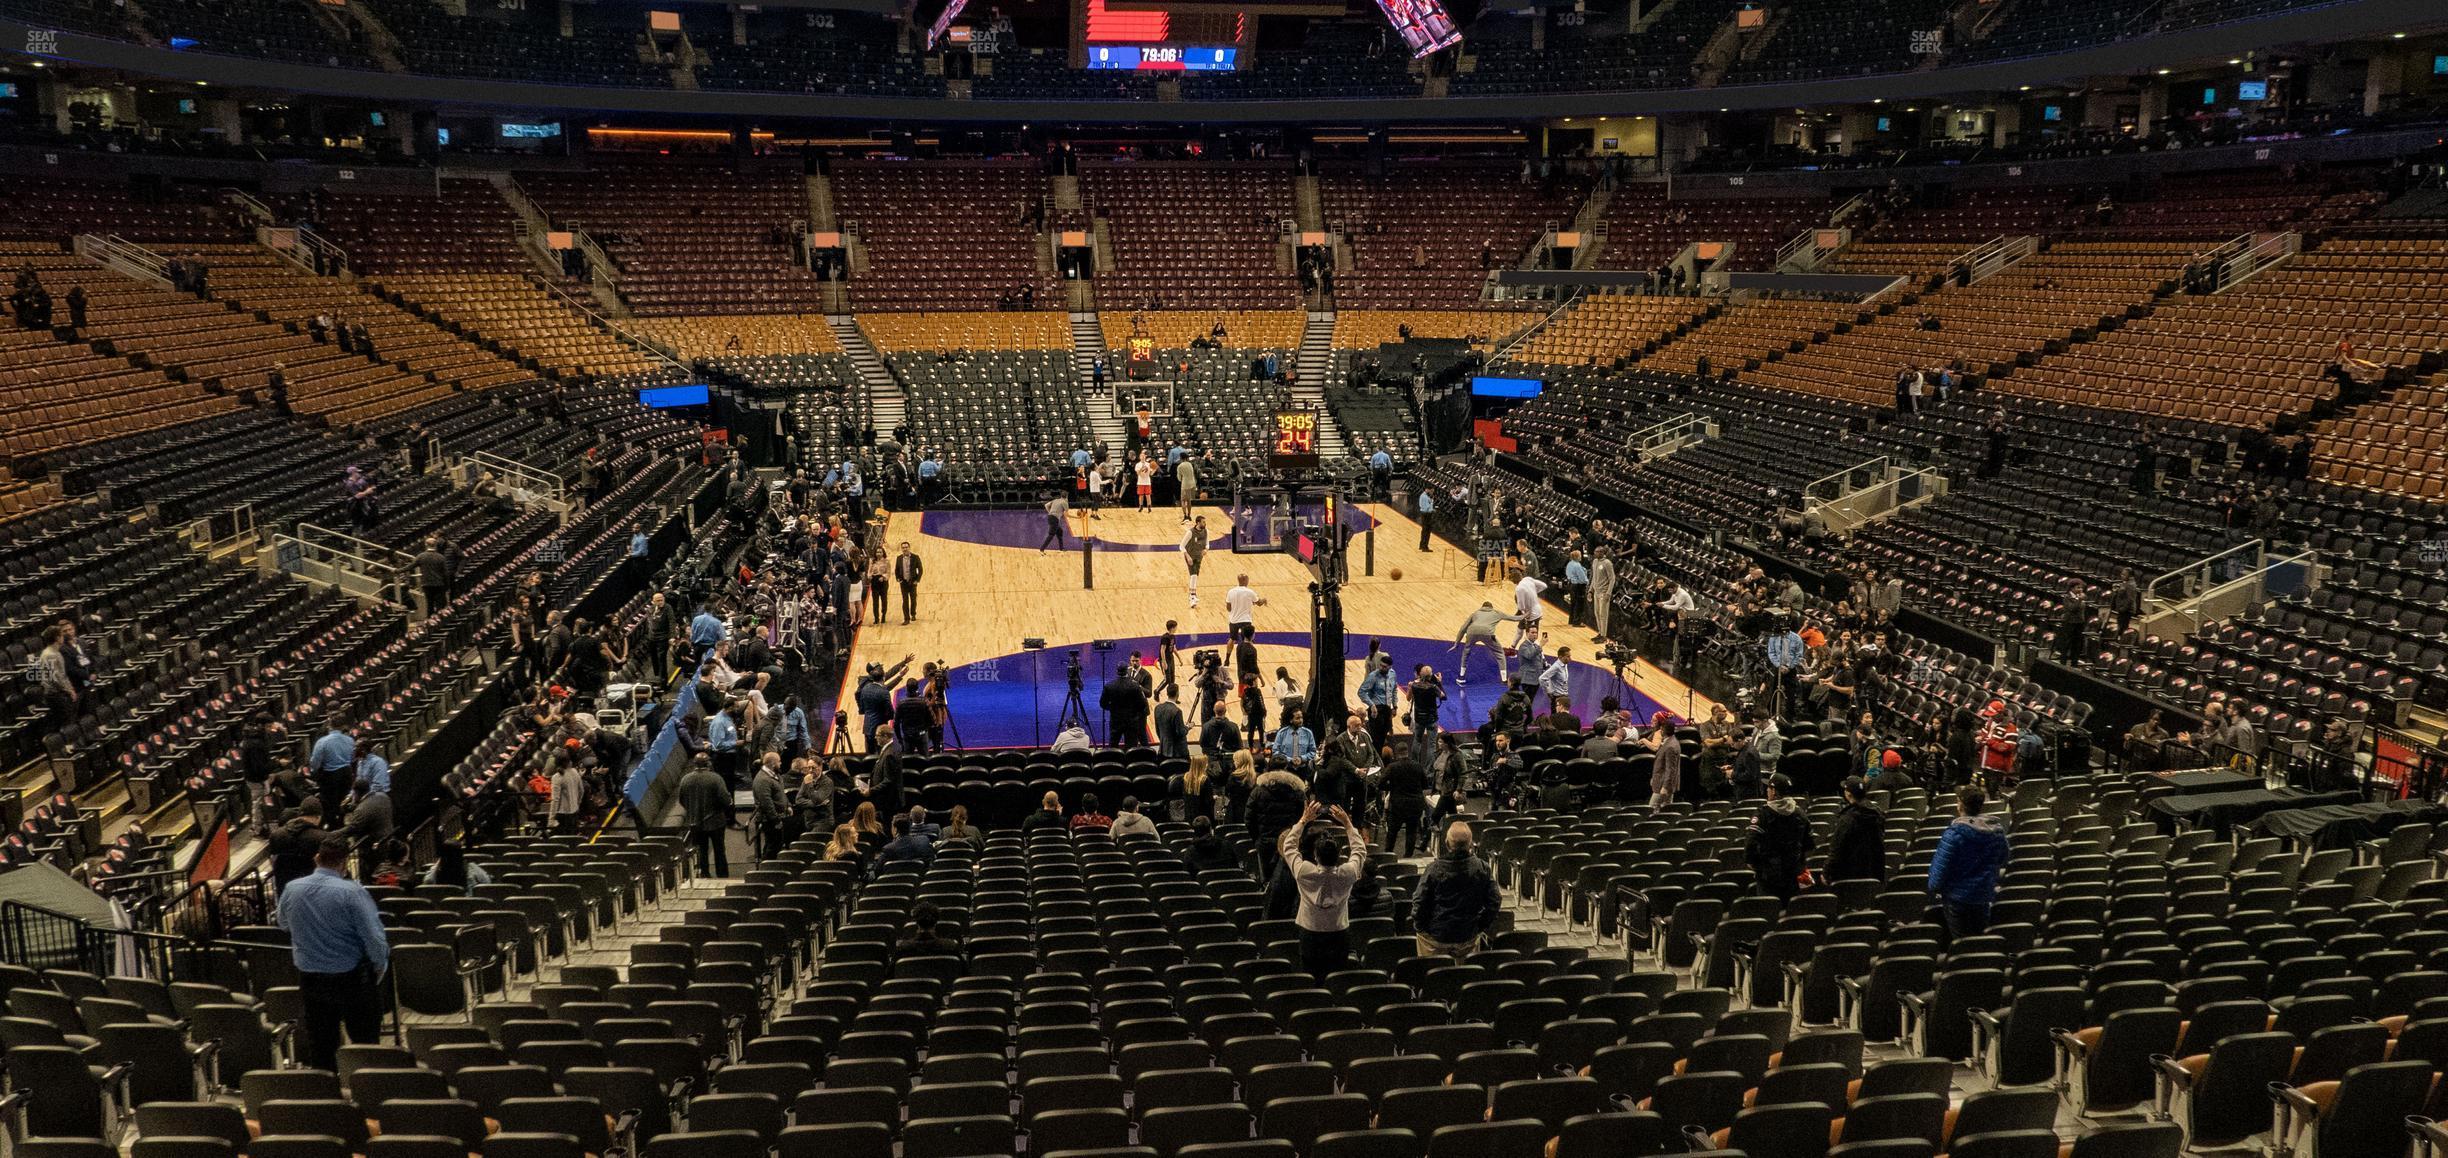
(988, 588)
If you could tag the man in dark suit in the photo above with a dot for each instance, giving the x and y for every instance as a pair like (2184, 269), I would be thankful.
(1125, 701)
(907, 570)
(884, 775)
(1172, 731)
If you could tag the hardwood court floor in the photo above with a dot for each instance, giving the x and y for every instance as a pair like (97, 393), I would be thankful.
(987, 588)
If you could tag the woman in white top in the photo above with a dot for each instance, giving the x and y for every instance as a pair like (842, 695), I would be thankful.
(1287, 693)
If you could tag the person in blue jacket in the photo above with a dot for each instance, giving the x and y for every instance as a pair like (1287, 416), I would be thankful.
(1972, 853)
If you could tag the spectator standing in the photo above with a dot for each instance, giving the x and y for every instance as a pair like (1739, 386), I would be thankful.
(332, 764)
(295, 843)
(1780, 842)
(772, 805)
(1963, 874)
(705, 806)
(1405, 785)
(1666, 760)
(1457, 902)
(1857, 837)
(1324, 864)
(336, 939)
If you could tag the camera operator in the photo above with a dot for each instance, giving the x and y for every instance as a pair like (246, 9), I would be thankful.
(1324, 861)
(1208, 683)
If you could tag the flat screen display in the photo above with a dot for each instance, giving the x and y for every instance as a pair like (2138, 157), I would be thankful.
(2052, 112)
(1424, 25)
(2252, 90)
(1162, 58)
(666, 397)
(1486, 387)
(530, 130)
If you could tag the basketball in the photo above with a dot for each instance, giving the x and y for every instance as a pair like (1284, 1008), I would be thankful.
(1395, 574)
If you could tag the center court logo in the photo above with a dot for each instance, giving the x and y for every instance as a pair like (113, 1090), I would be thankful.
(41, 42)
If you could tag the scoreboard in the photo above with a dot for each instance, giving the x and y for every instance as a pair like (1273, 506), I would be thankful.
(1295, 440)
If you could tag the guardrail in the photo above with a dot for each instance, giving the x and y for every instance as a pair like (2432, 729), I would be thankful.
(1660, 439)
(524, 484)
(1895, 492)
(2256, 256)
(256, 211)
(125, 256)
(1848, 480)
(1995, 256)
(1532, 330)
(2217, 586)
(660, 351)
(220, 527)
(351, 565)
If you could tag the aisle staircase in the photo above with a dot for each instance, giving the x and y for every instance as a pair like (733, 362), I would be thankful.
(1087, 344)
(886, 402)
(1311, 366)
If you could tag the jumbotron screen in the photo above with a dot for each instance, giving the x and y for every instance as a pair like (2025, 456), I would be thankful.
(1162, 57)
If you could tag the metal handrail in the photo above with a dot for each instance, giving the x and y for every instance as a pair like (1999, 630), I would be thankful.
(543, 481)
(123, 255)
(2202, 567)
(1507, 349)
(1844, 476)
(667, 355)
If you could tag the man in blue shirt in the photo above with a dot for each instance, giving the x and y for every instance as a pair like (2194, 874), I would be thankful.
(336, 938)
(723, 740)
(705, 631)
(1576, 590)
(1427, 514)
(1785, 652)
(372, 768)
(1381, 465)
(333, 764)
(1294, 744)
(1080, 458)
(1377, 691)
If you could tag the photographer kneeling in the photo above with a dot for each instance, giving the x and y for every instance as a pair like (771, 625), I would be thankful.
(1325, 862)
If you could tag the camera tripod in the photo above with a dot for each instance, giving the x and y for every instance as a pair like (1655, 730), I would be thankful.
(1073, 710)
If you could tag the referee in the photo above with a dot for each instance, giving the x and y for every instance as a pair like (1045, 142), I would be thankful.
(336, 938)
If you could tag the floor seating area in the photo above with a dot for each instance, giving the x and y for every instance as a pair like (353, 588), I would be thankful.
(944, 235)
(1427, 234)
(1184, 234)
(690, 240)
(1006, 416)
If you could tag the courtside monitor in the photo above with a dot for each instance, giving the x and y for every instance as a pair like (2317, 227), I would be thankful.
(670, 397)
(1483, 386)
